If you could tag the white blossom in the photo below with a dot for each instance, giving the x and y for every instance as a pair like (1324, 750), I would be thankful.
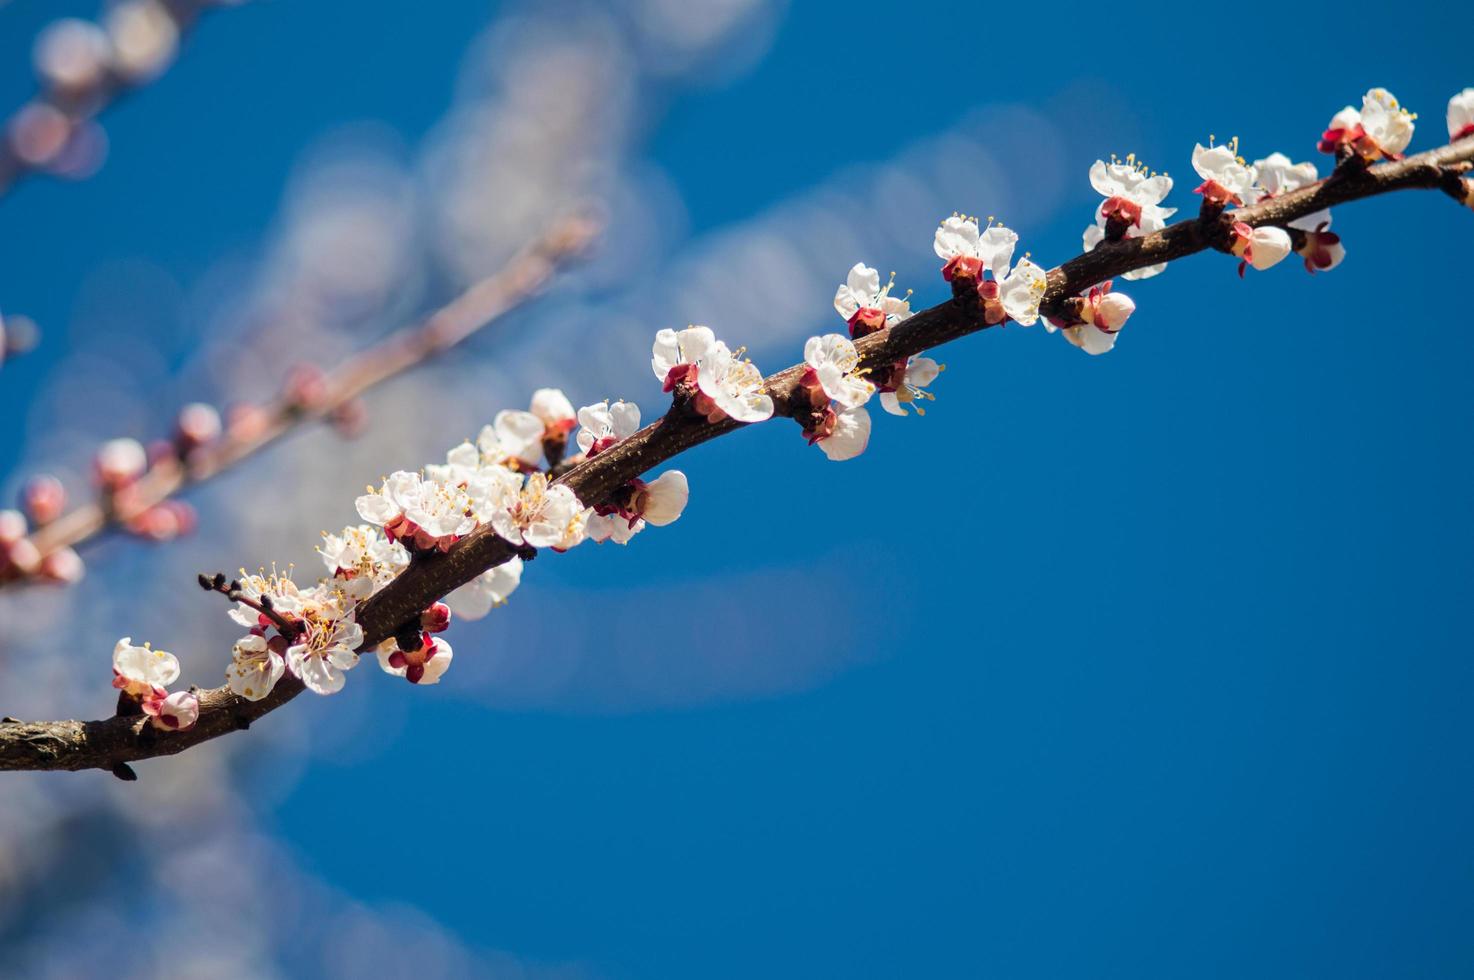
(542, 516)
(553, 409)
(325, 647)
(1227, 179)
(363, 559)
(423, 666)
(1022, 290)
(1461, 115)
(1386, 123)
(513, 438)
(614, 527)
(920, 372)
(1132, 192)
(486, 591)
(1260, 247)
(601, 425)
(1278, 175)
(734, 385)
(836, 364)
(423, 512)
(850, 436)
(254, 667)
(673, 349)
(862, 297)
(286, 598)
(141, 671)
(969, 251)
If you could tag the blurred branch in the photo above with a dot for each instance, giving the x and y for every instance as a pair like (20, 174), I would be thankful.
(86, 68)
(478, 306)
(112, 743)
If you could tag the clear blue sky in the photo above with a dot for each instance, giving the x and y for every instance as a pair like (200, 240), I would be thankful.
(1149, 665)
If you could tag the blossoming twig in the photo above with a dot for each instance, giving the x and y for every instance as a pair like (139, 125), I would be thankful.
(112, 743)
(481, 304)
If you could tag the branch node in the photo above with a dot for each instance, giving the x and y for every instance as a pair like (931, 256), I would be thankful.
(124, 772)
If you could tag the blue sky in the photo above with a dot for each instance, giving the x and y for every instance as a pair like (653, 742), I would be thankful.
(1148, 665)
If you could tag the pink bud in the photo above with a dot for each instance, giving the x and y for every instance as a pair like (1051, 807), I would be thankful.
(12, 526)
(71, 54)
(119, 462)
(246, 422)
(435, 619)
(63, 566)
(20, 557)
(176, 712)
(43, 498)
(306, 386)
(198, 425)
(1113, 310)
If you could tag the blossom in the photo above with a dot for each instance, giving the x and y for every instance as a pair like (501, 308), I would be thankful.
(119, 462)
(1380, 129)
(1278, 175)
(637, 503)
(969, 251)
(848, 436)
(1260, 247)
(425, 514)
(1152, 220)
(1131, 191)
(601, 425)
(1021, 291)
(542, 516)
(1322, 250)
(1461, 115)
(1226, 178)
(325, 647)
(175, 712)
(674, 355)
(553, 409)
(143, 671)
(286, 599)
(910, 385)
(363, 559)
(832, 362)
(488, 590)
(513, 439)
(866, 305)
(1103, 313)
(256, 664)
(423, 665)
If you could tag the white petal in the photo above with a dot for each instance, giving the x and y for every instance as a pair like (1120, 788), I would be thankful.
(667, 496)
(851, 435)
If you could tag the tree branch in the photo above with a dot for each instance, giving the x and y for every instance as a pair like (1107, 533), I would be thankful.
(112, 743)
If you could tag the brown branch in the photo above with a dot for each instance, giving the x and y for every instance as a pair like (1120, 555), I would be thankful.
(481, 304)
(112, 743)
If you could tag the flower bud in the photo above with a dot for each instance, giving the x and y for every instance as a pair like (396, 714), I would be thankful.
(436, 619)
(245, 422)
(71, 55)
(1322, 250)
(144, 38)
(63, 566)
(176, 712)
(306, 387)
(1260, 247)
(20, 557)
(12, 526)
(198, 425)
(119, 462)
(1113, 310)
(43, 498)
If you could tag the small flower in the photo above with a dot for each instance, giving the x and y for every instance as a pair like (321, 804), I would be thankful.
(143, 671)
(256, 664)
(1277, 176)
(423, 665)
(637, 503)
(363, 559)
(1261, 247)
(866, 305)
(1461, 115)
(910, 386)
(1380, 129)
(676, 356)
(848, 436)
(601, 425)
(553, 409)
(424, 514)
(326, 647)
(1104, 314)
(1021, 292)
(513, 439)
(1322, 250)
(43, 498)
(833, 364)
(486, 591)
(734, 388)
(175, 712)
(1226, 178)
(1131, 191)
(969, 251)
(542, 516)
(286, 599)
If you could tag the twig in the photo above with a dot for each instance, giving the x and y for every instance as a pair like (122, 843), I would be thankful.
(480, 305)
(105, 744)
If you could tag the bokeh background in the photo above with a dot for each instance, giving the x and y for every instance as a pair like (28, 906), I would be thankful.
(1149, 665)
